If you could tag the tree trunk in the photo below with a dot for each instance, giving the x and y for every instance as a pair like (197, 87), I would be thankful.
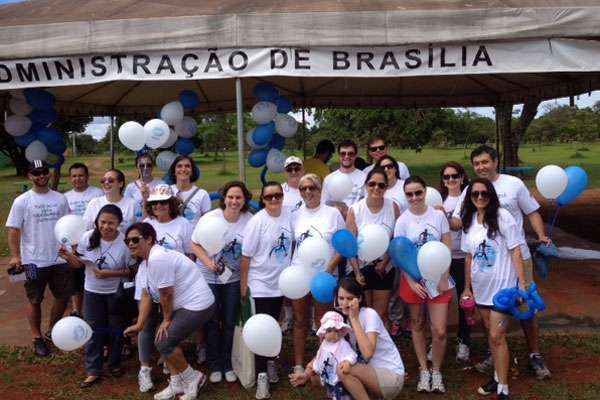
(511, 138)
(528, 113)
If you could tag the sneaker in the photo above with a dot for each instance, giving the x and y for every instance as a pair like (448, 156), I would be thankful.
(230, 376)
(40, 348)
(145, 379)
(462, 353)
(424, 384)
(437, 382)
(215, 377)
(537, 364)
(503, 396)
(488, 388)
(272, 372)
(298, 369)
(201, 355)
(486, 365)
(192, 387)
(174, 388)
(262, 386)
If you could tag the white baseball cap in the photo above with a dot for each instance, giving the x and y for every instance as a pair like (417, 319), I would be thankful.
(160, 192)
(292, 160)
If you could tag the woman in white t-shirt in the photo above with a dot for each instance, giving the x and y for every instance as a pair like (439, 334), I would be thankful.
(395, 189)
(195, 202)
(103, 255)
(376, 209)
(139, 190)
(222, 273)
(491, 239)
(382, 376)
(312, 219)
(266, 251)
(422, 223)
(453, 179)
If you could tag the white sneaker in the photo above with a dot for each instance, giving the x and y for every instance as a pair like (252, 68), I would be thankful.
(145, 379)
(424, 384)
(191, 388)
(463, 353)
(201, 355)
(486, 365)
(272, 372)
(430, 354)
(215, 377)
(175, 387)
(437, 382)
(262, 386)
(230, 376)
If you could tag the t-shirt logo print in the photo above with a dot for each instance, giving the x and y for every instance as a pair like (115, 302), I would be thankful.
(280, 248)
(167, 244)
(424, 237)
(485, 256)
(230, 254)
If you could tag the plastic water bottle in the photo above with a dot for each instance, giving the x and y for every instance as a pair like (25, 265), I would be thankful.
(468, 305)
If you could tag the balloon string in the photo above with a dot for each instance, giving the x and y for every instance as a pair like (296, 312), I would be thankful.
(263, 176)
(554, 218)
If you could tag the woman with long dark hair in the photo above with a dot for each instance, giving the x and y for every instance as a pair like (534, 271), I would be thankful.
(139, 190)
(493, 262)
(395, 189)
(194, 201)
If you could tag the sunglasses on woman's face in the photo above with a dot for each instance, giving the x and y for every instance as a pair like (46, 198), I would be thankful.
(484, 194)
(161, 202)
(144, 165)
(308, 188)
(377, 148)
(388, 166)
(274, 196)
(132, 239)
(107, 180)
(453, 176)
(380, 185)
(416, 193)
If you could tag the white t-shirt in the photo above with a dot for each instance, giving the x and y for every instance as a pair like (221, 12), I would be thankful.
(396, 193)
(132, 191)
(35, 215)
(386, 354)
(291, 197)
(322, 222)
(358, 182)
(78, 201)
(268, 242)
(198, 205)
(492, 268)
(402, 170)
(516, 199)
(421, 229)
(109, 255)
(173, 235)
(231, 255)
(385, 217)
(126, 204)
(449, 206)
(167, 268)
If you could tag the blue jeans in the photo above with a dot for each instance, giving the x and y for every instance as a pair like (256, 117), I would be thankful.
(220, 328)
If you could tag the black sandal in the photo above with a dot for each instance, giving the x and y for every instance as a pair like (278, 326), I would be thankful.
(86, 384)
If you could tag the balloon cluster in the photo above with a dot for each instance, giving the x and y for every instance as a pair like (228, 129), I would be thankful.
(514, 300)
(30, 125)
(562, 185)
(267, 140)
(172, 131)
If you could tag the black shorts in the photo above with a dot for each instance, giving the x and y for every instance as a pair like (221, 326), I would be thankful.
(58, 277)
(374, 281)
(78, 280)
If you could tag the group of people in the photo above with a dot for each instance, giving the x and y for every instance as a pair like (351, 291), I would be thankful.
(137, 271)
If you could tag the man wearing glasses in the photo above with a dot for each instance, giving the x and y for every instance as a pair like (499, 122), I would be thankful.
(32, 245)
(294, 170)
(376, 148)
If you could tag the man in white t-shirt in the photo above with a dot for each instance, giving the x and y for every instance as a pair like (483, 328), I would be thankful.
(294, 170)
(376, 149)
(34, 249)
(516, 199)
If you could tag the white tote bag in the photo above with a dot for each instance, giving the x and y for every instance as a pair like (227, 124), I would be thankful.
(242, 359)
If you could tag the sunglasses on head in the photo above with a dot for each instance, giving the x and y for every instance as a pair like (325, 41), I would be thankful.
(484, 194)
(377, 148)
(347, 154)
(107, 180)
(388, 166)
(161, 202)
(293, 168)
(274, 196)
(453, 176)
(132, 239)
(39, 172)
(308, 189)
(416, 193)
(380, 185)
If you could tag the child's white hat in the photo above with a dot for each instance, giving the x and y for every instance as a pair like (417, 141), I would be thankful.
(332, 319)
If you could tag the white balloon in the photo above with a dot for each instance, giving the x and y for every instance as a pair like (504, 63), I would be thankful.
(314, 253)
(172, 113)
(264, 112)
(275, 161)
(69, 229)
(294, 282)
(132, 136)
(187, 127)
(339, 186)
(373, 241)
(210, 234)
(36, 151)
(433, 197)
(433, 259)
(171, 140)
(250, 141)
(262, 335)
(551, 181)
(70, 333)
(157, 133)
(19, 106)
(286, 125)
(165, 159)
(17, 125)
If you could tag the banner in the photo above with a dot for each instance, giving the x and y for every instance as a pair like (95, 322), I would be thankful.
(528, 56)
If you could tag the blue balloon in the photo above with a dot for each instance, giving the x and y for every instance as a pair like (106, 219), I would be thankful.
(344, 242)
(258, 157)
(61, 161)
(576, 184)
(214, 196)
(322, 287)
(184, 146)
(265, 92)
(44, 117)
(263, 134)
(403, 253)
(512, 300)
(255, 205)
(49, 135)
(278, 142)
(189, 99)
(143, 151)
(57, 148)
(26, 139)
(284, 105)
(39, 99)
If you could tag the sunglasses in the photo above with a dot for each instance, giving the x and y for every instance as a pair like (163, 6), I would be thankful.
(161, 202)
(388, 166)
(377, 148)
(39, 172)
(274, 196)
(293, 169)
(484, 194)
(133, 239)
(416, 193)
(380, 185)
(453, 176)
(145, 166)
(347, 154)
(107, 180)
(308, 189)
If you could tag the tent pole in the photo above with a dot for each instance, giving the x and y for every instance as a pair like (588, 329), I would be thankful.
(112, 142)
(303, 132)
(239, 107)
